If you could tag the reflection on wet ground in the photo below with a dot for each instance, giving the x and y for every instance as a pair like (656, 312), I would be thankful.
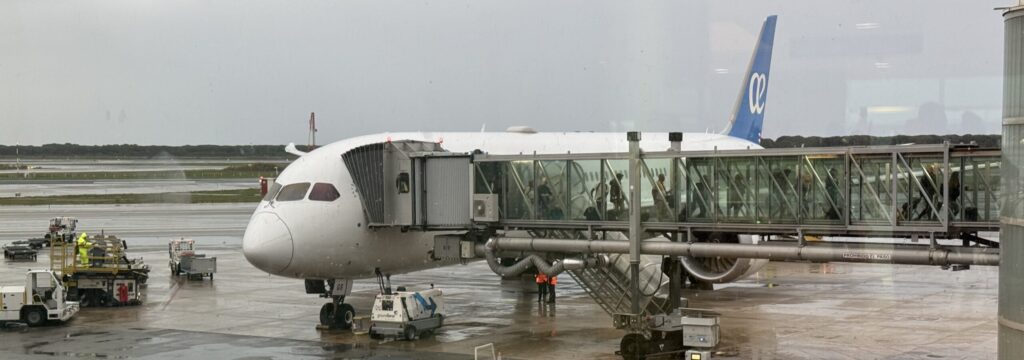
(811, 311)
(786, 311)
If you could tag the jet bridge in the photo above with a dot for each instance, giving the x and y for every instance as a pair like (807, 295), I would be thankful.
(897, 191)
(893, 191)
(692, 211)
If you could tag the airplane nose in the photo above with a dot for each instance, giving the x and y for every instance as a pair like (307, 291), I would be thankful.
(267, 243)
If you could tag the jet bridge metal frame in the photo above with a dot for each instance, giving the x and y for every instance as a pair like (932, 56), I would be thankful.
(896, 191)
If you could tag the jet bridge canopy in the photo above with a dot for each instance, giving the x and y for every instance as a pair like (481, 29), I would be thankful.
(411, 184)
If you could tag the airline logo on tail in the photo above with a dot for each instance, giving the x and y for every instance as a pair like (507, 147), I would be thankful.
(756, 93)
(748, 114)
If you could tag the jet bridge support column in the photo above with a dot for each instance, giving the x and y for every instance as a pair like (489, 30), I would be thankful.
(634, 219)
(672, 266)
(1011, 269)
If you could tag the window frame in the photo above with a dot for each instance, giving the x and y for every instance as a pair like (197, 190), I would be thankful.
(331, 187)
(305, 191)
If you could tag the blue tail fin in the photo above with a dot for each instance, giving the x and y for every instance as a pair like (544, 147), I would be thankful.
(748, 114)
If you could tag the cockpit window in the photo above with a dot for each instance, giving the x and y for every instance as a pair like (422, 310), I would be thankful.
(324, 192)
(272, 192)
(293, 192)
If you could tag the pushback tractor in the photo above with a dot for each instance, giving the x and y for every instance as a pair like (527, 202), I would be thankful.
(406, 314)
(38, 301)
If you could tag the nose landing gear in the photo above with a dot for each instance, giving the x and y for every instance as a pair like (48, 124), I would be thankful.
(335, 314)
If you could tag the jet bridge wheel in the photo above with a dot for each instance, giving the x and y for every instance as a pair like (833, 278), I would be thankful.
(634, 347)
(338, 316)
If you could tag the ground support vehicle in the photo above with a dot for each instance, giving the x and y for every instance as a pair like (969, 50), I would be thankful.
(16, 251)
(184, 260)
(38, 301)
(108, 278)
(35, 243)
(406, 314)
(691, 332)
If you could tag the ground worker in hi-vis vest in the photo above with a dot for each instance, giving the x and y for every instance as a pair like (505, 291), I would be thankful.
(83, 249)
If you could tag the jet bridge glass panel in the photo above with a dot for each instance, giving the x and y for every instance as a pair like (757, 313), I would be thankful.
(617, 174)
(588, 193)
(518, 199)
(828, 191)
(552, 191)
(656, 190)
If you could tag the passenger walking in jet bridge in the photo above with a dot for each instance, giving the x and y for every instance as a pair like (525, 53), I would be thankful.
(832, 191)
(807, 195)
(954, 193)
(929, 190)
(783, 193)
(736, 191)
(616, 196)
(600, 195)
(660, 196)
(544, 196)
(552, 281)
(83, 246)
(542, 286)
(701, 200)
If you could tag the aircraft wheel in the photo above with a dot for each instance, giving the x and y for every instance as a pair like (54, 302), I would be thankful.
(410, 332)
(340, 316)
(345, 316)
(327, 314)
(35, 317)
(633, 347)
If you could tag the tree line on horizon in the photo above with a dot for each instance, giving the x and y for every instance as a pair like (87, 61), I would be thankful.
(68, 150)
(984, 141)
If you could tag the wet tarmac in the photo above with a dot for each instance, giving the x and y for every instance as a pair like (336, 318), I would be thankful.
(140, 222)
(786, 311)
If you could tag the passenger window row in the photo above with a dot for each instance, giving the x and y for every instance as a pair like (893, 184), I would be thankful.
(297, 191)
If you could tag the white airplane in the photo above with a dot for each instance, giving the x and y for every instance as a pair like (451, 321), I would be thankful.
(311, 224)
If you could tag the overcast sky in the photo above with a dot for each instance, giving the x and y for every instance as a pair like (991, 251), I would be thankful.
(250, 72)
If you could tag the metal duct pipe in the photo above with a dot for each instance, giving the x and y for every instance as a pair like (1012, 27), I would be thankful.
(823, 252)
(553, 269)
